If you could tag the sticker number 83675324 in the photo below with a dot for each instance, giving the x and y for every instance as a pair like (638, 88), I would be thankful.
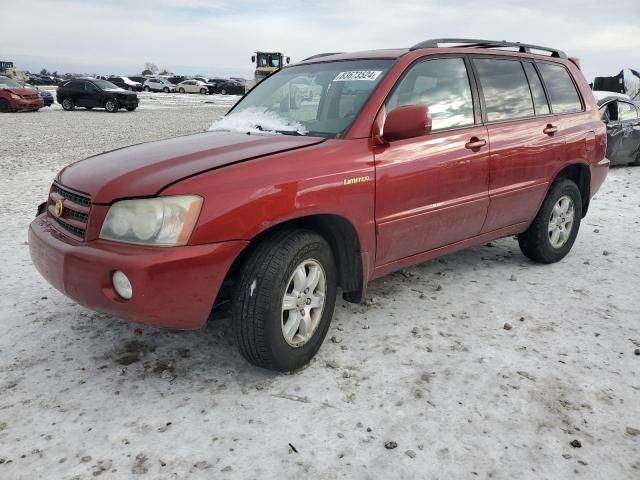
(366, 75)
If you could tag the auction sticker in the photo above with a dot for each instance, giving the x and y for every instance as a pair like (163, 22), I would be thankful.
(366, 75)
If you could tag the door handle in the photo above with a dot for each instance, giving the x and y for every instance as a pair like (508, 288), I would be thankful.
(550, 129)
(475, 143)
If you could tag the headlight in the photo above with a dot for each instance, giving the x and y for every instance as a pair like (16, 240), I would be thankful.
(165, 221)
(15, 96)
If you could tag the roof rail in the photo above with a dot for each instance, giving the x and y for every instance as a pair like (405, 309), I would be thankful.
(476, 43)
(319, 55)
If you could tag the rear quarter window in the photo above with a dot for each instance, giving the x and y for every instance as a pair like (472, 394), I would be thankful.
(560, 88)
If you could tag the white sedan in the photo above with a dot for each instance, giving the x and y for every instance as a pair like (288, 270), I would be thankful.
(194, 86)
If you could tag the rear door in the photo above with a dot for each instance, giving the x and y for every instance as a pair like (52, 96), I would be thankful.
(431, 190)
(630, 118)
(609, 115)
(525, 144)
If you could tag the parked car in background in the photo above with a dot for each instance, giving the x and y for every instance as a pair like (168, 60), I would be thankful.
(404, 155)
(176, 79)
(622, 119)
(46, 96)
(194, 86)
(95, 93)
(138, 79)
(158, 84)
(126, 83)
(15, 97)
(229, 87)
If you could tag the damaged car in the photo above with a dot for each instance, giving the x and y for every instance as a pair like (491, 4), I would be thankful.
(622, 119)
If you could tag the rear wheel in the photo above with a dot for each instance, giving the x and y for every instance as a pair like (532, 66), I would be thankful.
(203, 91)
(284, 300)
(181, 90)
(111, 105)
(223, 92)
(5, 106)
(554, 230)
(68, 104)
(146, 89)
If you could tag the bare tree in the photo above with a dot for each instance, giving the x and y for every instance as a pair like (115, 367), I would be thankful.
(152, 67)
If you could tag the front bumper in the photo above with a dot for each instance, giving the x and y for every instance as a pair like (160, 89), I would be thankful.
(27, 104)
(128, 102)
(173, 287)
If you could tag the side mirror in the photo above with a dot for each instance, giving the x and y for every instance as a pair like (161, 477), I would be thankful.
(408, 121)
(288, 60)
(253, 59)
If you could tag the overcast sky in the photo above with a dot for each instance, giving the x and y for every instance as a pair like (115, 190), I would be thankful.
(217, 37)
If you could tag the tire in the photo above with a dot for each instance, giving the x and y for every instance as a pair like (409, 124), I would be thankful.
(5, 107)
(67, 104)
(111, 105)
(257, 302)
(131, 109)
(537, 242)
(146, 89)
(223, 92)
(165, 89)
(181, 90)
(203, 91)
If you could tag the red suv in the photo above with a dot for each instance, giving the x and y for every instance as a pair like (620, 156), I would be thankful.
(14, 97)
(329, 173)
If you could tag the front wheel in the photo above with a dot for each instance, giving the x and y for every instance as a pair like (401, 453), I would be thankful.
(181, 90)
(553, 232)
(165, 89)
(146, 89)
(203, 91)
(284, 300)
(111, 105)
(5, 107)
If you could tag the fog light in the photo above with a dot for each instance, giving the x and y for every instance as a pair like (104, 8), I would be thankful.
(122, 285)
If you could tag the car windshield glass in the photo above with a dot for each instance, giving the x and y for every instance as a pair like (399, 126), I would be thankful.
(9, 82)
(321, 99)
(104, 85)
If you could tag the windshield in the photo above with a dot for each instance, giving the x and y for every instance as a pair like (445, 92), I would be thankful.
(104, 85)
(9, 83)
(321, 99)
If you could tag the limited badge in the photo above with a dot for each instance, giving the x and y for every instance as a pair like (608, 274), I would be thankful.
(59, 208)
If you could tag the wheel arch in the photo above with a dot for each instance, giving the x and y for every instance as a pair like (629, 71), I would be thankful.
(342, 237)
(580, 174)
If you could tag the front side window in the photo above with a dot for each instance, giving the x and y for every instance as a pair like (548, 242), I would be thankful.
(561, 89)
(321, 99)
(442, 84)
(626, 111)
(505, 89)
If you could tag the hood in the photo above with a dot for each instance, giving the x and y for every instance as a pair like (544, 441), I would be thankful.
(21, 91)
(145, 169)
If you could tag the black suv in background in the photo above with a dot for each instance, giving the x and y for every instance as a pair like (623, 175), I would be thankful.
(126, 83)
(94, 93)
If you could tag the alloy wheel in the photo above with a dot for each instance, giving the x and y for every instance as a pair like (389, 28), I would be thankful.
(561, 221)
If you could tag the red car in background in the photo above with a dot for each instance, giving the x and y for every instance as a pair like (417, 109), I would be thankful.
(14, 97)
(389, 159)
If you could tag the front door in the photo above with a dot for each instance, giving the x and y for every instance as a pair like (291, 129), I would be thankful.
(431, 191)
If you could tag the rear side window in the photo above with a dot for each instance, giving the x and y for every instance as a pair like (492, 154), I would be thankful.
(505, 89)
(442, 84)
(626, 111)
(537, 92)
(561, 89)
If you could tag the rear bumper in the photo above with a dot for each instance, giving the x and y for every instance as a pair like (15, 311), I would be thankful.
(598, 174)
(172, 287)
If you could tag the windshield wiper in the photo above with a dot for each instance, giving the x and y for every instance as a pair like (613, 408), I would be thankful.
(283, 132)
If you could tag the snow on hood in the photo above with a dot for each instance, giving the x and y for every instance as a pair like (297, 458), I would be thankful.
(257, 120)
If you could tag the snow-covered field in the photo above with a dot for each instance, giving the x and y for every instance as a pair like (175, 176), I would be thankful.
(426, 366)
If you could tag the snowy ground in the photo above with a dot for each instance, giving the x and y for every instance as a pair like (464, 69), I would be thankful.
(427, 363)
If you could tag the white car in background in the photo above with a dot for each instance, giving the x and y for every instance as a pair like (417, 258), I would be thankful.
(156, 84)
(194, 86)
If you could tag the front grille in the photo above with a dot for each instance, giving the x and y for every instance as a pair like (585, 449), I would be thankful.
(75, 211)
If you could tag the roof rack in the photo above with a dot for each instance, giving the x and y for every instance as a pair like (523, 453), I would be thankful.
(319, 55)
(476, 43)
